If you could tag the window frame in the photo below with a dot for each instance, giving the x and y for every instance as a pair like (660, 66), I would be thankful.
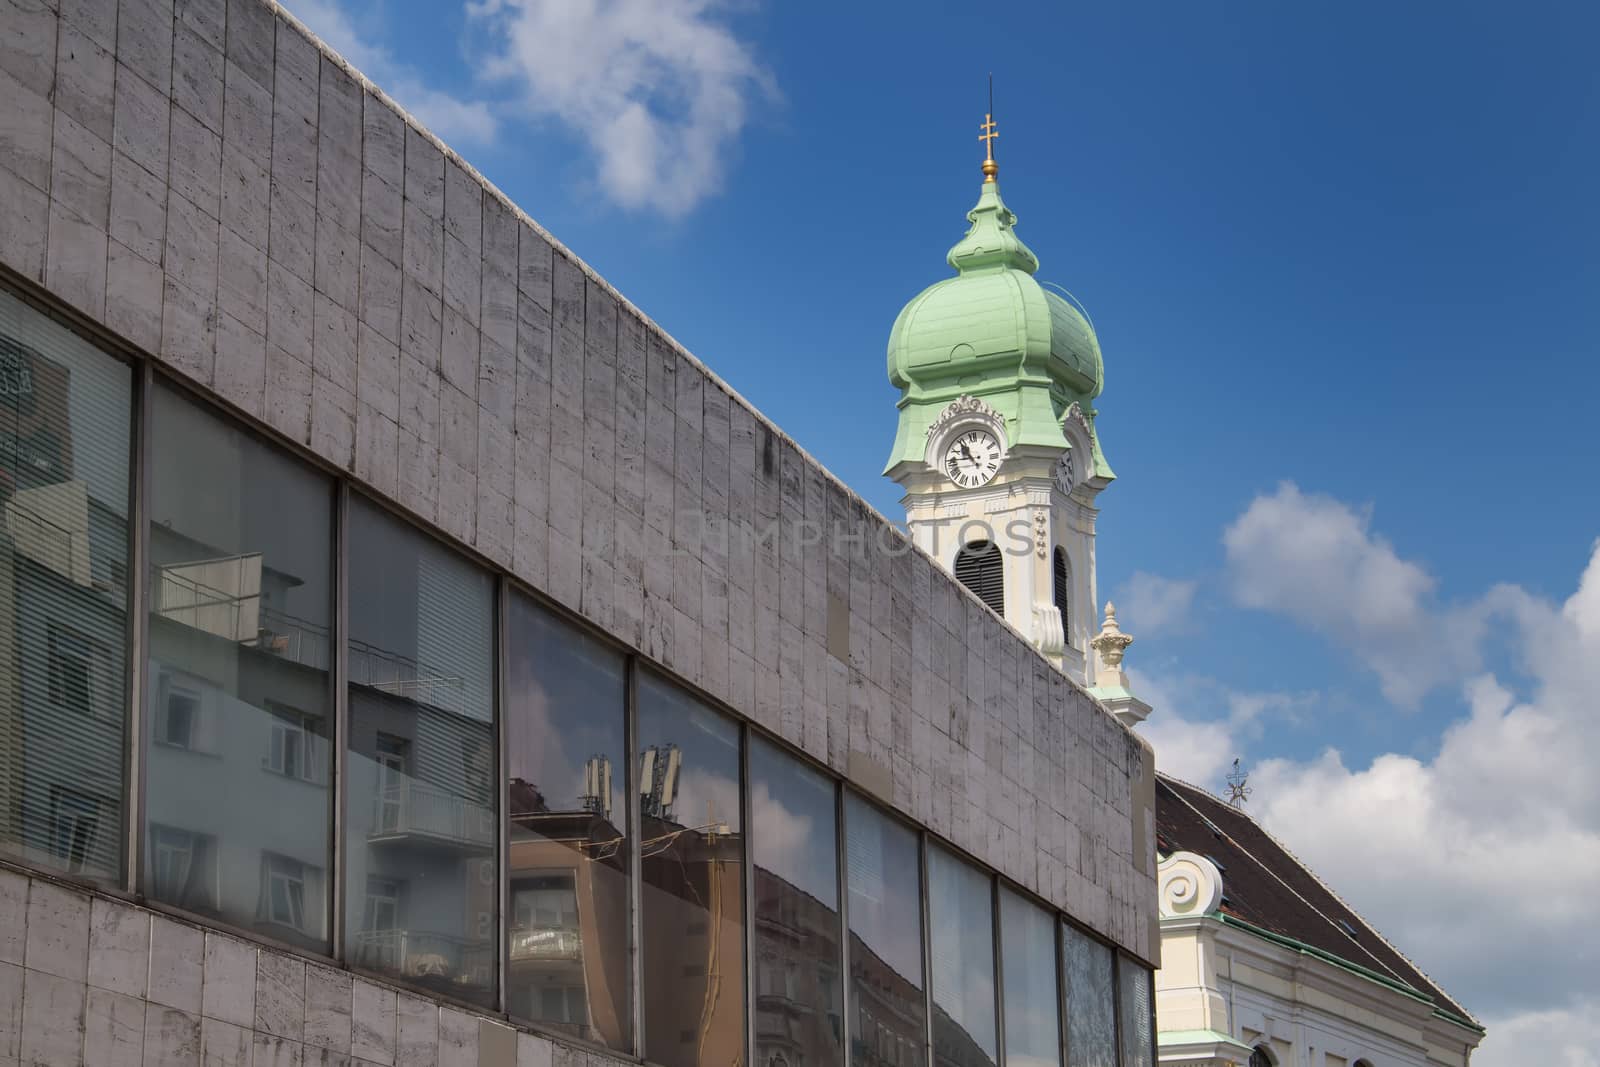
(170, 686)
(273, 876)
(58, 636)
(88, 814)
(291, 722)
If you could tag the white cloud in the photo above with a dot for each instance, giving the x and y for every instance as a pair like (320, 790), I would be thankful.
(1315, 560)
(1480, 861)
(660, 88)
(1149, 603)
(1563, 1037)
(453, 119)
(1195, 751)
(1199, 725)
(784, 833)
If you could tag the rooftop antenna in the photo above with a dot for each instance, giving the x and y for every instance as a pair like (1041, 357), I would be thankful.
(1238, 786)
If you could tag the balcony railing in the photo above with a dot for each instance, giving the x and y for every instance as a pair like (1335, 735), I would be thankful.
(416, 809)
(418, 954)
(545, 943)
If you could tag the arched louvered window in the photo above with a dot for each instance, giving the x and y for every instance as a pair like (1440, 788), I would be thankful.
(979, 568)
(1260, 1057)
(1061, 572)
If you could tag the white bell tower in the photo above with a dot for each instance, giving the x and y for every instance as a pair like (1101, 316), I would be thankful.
(996, 446)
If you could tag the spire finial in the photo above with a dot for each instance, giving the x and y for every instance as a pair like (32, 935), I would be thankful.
(990, 167)
(1111, 642)
(1110, 677)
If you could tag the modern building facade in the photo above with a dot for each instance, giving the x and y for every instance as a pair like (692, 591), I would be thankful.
(408, 654)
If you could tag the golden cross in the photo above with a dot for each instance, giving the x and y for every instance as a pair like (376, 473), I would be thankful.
(990, 167)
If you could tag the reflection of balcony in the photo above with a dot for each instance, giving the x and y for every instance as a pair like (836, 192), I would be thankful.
(407, 678)
(545, 943)
(216, 596)
(418, 811)
(294, 639)
(419, 954)
(49, 524)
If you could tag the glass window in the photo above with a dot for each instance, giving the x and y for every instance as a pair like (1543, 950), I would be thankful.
(793, 842)
(1087, 966)
(65, 425)
(1137, 1017)
(569, 963)
(240, 690)
(692, 859)
(961, 935)
(1031, 1004)
(888, 1011)
(421, 815)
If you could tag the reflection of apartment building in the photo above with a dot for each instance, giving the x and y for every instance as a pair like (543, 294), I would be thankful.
(693, 879)
(239, 694)
(888, 1024)
(426, 862)
(567, 957)
(954, 1046)
(63, 632)
(798, 989)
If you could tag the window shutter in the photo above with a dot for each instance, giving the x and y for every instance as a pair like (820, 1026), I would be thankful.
(1063, 588)
(980, 568)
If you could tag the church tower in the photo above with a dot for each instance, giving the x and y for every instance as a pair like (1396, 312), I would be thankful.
(996, 447)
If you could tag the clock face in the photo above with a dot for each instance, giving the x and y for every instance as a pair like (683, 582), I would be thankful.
(972, 458)
(1066, 474)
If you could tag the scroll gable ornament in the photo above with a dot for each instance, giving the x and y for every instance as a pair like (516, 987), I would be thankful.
(1189, 885)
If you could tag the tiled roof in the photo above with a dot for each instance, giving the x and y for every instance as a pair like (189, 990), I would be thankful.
(1265, 885)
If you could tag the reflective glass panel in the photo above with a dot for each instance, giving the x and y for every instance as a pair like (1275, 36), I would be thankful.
(1087, 967)
(961, 934)
(692, 866)
(421, 816)
(1133, 983)
(568, 961)
(799, 998)
(65, 424)
(888, 1010)
(1031, 1006)
(240, 707)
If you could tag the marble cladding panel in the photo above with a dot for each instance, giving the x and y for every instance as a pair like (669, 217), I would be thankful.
(82, 985)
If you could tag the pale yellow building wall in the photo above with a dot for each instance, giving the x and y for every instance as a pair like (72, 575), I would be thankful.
(1308, 1012)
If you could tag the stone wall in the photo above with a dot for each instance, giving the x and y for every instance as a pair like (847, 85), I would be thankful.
(90, 980)
(225, 195)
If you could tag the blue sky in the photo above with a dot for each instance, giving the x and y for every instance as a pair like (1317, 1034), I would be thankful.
(1342, 260)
